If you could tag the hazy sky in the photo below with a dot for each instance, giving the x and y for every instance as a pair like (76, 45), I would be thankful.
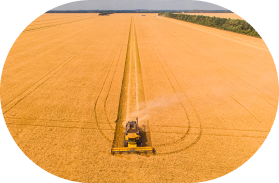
(139, 4)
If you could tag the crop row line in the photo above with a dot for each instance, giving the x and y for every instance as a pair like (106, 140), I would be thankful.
(56, 126)
(54, 45)
(54, 25)
(211, 134)
(57, 20)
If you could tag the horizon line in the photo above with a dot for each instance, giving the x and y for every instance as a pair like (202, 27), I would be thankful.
(140, 9)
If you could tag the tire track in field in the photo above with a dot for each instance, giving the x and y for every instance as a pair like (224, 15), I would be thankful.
(215, 132)
(209, 134)
(50, 47)
(177, 94)
(206, 128)
(159, 132)
(119, 50)
(54, 123)
(191, 122)
(26, 92)
(57, 20)
(195, 121)
(54, 25)
(245, 109)
(56, 34)
(231, 75)
(110, 85)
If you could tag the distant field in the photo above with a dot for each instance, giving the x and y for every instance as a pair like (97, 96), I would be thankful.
(221, 15)
(206, 97)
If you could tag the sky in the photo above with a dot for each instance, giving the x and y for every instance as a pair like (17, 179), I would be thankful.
(139, 4)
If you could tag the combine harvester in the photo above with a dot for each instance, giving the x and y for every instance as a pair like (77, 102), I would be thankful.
(132, 140)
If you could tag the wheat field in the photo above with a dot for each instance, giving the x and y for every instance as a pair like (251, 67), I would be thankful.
(206, 98)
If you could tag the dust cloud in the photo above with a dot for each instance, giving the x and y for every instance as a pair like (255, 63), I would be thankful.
(149, 108)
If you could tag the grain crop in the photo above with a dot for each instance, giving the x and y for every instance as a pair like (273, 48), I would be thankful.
(209, 96)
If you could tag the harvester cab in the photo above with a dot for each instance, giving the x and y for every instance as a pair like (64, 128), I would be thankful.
(131, 134)
(132, 140)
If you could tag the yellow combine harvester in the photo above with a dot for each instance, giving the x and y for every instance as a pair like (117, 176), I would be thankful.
(132, 140)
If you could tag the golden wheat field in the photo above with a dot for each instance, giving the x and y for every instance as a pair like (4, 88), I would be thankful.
(206, 98)
(221, 15)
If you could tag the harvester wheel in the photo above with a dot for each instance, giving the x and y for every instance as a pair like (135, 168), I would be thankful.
(125, 143)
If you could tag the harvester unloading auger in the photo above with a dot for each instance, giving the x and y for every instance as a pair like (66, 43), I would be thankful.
(132, 140)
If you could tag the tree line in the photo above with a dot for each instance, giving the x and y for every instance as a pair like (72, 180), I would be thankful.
(234, 25)
(105, 13)
(139, 11)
